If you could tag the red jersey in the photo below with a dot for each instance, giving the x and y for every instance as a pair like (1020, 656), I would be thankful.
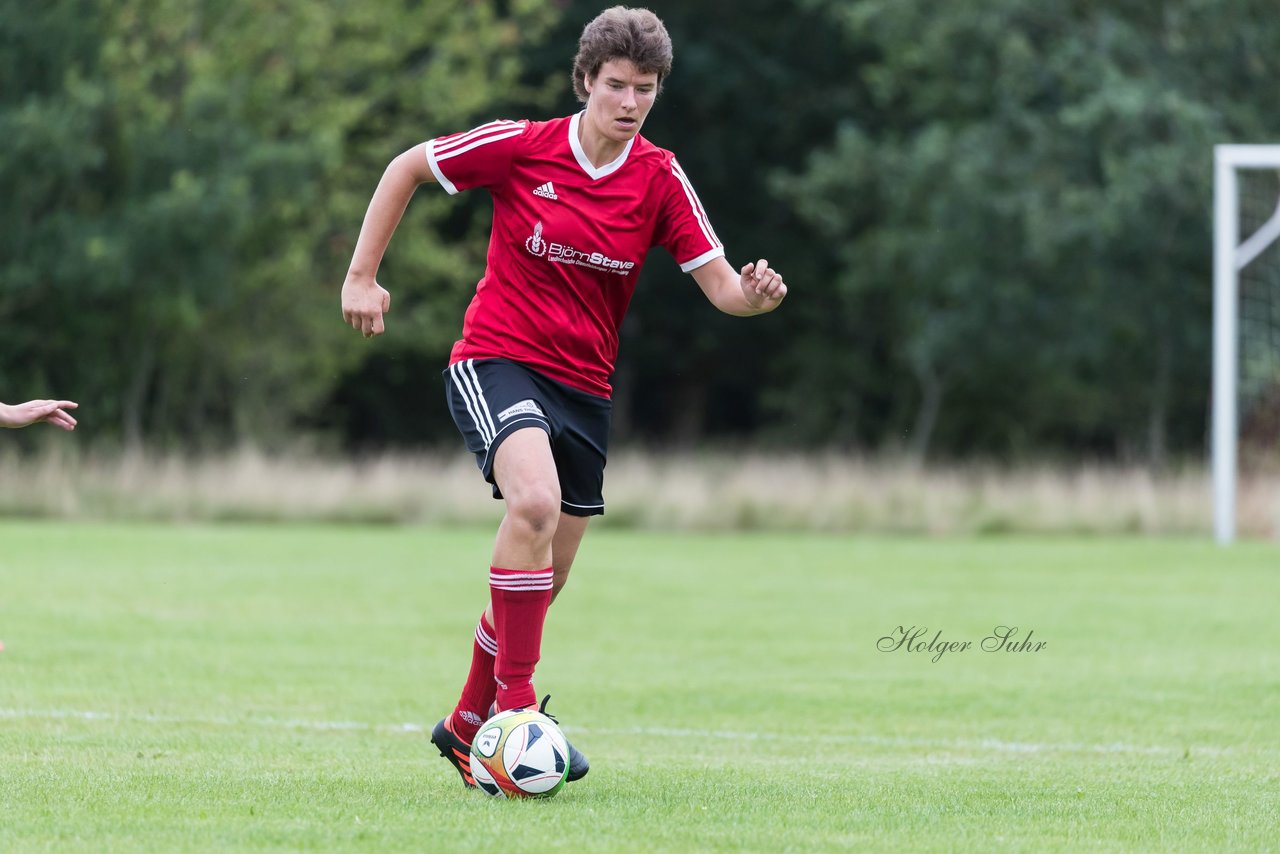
(568, 242)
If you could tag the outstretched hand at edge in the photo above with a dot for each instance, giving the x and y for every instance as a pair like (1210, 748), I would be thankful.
(53, 411)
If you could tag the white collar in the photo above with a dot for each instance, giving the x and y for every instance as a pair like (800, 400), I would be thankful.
(576, 144)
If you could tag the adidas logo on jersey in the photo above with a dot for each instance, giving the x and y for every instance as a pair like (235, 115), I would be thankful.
(546, 191)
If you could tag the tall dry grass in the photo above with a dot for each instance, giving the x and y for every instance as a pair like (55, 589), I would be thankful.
(681, 491)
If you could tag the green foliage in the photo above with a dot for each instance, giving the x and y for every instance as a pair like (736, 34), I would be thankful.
(186, 185)
(1027, 192)
(994, 214)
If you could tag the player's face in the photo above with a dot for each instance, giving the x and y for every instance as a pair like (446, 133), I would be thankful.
(619, 98)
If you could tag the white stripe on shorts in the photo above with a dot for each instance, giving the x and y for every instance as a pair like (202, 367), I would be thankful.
(464, 375)
(470, 368)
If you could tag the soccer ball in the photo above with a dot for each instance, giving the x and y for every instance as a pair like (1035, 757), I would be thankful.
(520, 754)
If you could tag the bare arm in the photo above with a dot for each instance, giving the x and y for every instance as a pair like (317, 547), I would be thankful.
(53, 411)
(756, 289)
(364, 301)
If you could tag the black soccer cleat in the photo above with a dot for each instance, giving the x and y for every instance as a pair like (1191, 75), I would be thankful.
(578, 764)
(457, 751)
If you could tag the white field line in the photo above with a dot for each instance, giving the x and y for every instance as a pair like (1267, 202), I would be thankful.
(982, 745)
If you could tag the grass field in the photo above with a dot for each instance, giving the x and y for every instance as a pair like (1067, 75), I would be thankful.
(170, 688)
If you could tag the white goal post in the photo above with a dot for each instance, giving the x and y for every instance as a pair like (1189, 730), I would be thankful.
(1230, 256)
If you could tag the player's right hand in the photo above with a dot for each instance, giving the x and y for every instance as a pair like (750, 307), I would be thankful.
(364, 302)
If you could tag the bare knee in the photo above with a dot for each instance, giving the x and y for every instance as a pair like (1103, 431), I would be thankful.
(535, 511)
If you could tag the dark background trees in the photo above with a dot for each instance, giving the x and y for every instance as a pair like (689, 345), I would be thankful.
(995, 215)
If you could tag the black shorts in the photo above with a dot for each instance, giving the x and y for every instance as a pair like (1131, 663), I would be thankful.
(492, 398)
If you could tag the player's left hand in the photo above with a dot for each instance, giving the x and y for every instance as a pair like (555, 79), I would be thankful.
(762, 286)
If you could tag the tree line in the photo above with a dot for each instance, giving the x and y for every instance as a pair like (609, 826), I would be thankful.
(994, 215)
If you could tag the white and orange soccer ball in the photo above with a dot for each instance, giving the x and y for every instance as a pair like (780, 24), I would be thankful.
(520, 754)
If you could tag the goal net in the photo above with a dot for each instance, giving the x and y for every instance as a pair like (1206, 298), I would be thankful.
(1246, 372)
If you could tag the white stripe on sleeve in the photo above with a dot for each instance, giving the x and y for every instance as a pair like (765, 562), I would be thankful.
(690, 266)
(700, 213)
(448, 143)
(442, 148)
(454, 152)
(435, 169)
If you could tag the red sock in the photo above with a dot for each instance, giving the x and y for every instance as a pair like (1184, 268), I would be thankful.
(520, 599)
(477, 694)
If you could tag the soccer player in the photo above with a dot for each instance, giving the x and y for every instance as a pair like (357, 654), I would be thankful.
(24, 414)
(577, 203)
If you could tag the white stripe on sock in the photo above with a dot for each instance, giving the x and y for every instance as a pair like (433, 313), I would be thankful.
(536, 580)
(485, 640)
(518, 587)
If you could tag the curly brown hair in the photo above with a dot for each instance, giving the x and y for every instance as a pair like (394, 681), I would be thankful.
(636, 35)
